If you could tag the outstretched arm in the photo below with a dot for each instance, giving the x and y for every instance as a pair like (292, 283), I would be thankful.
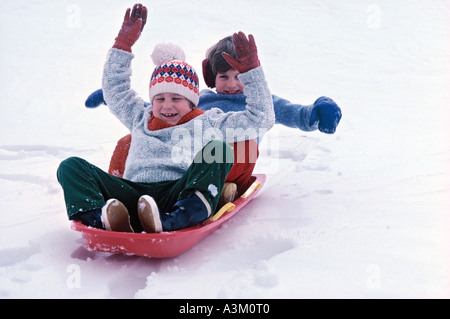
(293, 115)
(324, 114)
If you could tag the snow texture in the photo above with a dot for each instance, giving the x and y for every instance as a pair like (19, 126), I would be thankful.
(362, 213)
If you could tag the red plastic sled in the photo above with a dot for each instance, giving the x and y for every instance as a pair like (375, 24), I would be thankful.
(166, 244)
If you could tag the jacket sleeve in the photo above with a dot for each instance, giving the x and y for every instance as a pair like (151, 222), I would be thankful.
(123, 102)
(256, 119)
(293, 115)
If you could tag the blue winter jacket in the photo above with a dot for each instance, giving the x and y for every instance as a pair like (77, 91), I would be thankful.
(286, 113)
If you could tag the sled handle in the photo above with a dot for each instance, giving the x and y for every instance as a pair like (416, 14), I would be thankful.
(251, 189)
(228, 207)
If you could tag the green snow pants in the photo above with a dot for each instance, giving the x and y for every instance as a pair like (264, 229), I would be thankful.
(87, 187)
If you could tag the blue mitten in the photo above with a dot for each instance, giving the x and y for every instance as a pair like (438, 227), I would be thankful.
(327, 113)
(95, 99)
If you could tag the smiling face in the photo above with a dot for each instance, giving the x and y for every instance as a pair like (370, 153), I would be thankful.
(228, 83)
(171, 107)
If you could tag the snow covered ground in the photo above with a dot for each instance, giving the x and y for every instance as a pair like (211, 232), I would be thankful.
(363, 213)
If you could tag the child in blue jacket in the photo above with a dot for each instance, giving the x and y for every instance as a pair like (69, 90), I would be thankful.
(324, 114)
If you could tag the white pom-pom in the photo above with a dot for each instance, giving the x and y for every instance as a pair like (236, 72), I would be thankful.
(165, 52)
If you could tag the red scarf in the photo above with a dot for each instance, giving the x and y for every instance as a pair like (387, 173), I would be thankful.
(155, 124)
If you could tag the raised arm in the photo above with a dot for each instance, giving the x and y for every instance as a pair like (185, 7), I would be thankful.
(118, 95)
(259, 114)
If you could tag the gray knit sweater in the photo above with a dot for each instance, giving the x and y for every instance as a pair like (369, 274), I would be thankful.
(167, 153)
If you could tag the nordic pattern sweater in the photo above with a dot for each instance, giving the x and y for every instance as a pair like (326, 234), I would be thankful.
(166, 154)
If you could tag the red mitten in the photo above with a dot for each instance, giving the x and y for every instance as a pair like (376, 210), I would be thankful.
(246, 53)
(131, 28)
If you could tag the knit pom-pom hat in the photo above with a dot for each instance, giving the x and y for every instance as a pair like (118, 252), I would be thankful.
(172, 74)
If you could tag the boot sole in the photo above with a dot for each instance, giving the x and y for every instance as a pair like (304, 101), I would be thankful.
(148, 213)
(115, 217)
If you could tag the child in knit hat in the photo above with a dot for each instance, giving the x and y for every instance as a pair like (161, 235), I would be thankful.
(324, 114)
(179, 157)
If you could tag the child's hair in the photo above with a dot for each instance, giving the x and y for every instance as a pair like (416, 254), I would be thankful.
(215, 57)
(215, 62)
